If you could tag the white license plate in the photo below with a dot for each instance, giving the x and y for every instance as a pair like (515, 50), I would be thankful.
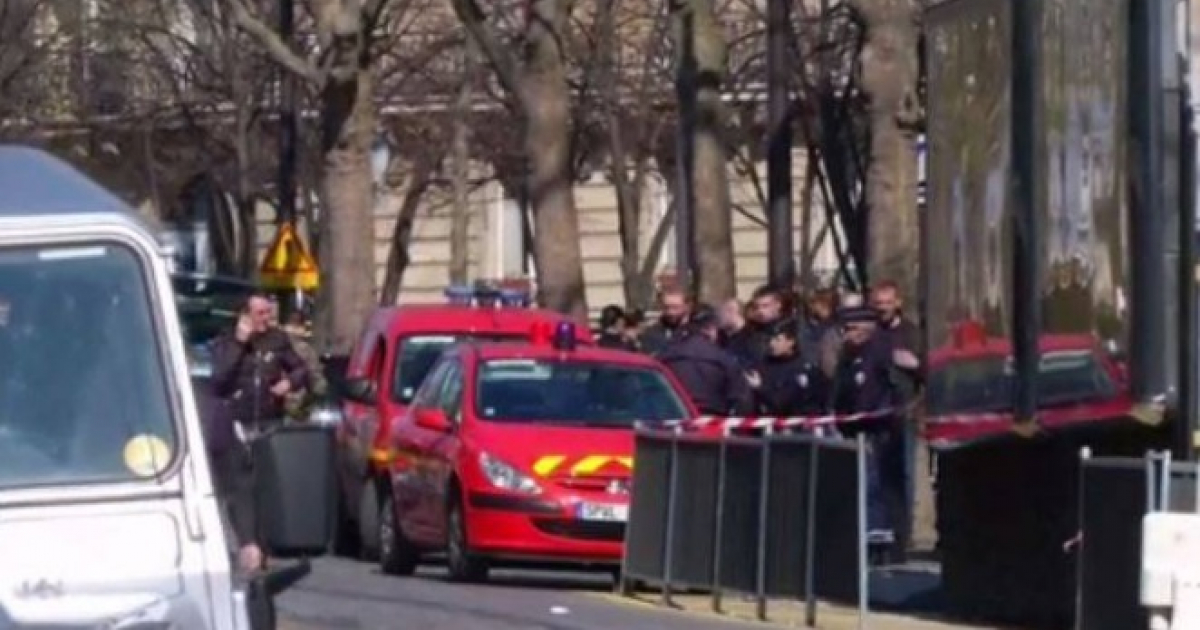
(605, 512)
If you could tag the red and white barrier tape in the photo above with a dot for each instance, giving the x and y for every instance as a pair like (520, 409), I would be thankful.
(810, 422)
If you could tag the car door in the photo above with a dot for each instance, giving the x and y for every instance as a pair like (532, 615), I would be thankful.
(358, 428)
(410, 482)
(444, 447)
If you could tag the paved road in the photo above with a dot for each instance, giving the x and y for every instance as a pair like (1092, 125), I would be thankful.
(355, 596)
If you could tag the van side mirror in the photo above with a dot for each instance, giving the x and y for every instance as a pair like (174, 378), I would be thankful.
(360, 390)
(432, 418)
(295, 489)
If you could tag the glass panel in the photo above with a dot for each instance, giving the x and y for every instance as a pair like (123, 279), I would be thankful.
(83, 396)
(581, 393)
(419, 353)
(967, 230)
(1083, 213)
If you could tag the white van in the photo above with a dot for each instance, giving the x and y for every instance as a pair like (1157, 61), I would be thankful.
(107, 512)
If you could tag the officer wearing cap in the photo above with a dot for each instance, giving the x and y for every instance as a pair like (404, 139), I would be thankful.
(713, 379)
(785, 382)
(863, 384)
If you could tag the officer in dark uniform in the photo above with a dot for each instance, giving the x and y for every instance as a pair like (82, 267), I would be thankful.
(612, 330)
(863, 384)
(786, 383)
(712, 377)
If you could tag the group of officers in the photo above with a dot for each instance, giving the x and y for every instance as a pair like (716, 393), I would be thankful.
(830, 354)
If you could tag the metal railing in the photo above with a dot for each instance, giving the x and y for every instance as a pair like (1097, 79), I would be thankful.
(777, 516)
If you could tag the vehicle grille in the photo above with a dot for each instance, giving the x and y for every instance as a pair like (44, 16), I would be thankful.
(581, 530)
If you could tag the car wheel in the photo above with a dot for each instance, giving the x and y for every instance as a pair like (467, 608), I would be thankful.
(463, 566)
(368, 522)
(397, 555)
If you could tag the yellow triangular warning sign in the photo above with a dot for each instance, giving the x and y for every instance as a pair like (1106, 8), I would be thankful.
(288, 265)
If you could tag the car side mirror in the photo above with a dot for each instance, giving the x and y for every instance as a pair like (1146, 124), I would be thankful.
(360, 390)
(432, 418)
(295, 489)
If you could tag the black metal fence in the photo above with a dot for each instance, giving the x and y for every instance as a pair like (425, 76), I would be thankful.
(1116, 494)
(776, 516)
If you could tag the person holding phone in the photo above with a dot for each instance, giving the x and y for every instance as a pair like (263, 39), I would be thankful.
(254, 370)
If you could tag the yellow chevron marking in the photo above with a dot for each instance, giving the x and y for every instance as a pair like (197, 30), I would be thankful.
(626, 462)
(546, 465)
(590, 464)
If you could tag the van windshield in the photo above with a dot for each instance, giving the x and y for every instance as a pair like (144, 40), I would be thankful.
(83, 396)
(418, 354)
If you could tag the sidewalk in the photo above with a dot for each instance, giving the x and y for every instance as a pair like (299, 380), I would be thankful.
(790, 614)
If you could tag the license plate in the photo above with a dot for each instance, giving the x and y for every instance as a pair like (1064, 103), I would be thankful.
(604, 512)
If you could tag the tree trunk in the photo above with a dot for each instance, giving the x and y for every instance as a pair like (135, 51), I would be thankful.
(889, 63)
(546, 103)
(460, 222)
(347, 234)
(398, 256)
(703, 70)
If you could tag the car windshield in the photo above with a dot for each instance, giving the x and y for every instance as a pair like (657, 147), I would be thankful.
(418, 353)
(83, 396)
(572, 392)
(975, 385)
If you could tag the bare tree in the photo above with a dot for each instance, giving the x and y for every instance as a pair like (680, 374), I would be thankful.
(536, 81)
(339, 69)
(630, 57)
(21, 50)
(889, 80)
(700, 50)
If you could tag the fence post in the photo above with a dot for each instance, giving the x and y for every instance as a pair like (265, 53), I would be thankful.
(764, 509)
(719, 529)
(669, 531)
(863, 566)
(810, 537)
(1085, 454)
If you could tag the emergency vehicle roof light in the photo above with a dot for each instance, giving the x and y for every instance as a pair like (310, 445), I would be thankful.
(539, 334)
(564, 336)
(460, 295)
(515, 298)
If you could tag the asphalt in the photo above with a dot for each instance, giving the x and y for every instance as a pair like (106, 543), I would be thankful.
(356, 596)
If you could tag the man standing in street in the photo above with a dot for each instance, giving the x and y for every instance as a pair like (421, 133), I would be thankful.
(903, 336)
(675, 308)
(712, 377)
(255, 367)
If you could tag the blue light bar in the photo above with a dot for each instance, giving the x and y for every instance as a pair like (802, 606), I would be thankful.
(515, 298)
(460, 295)
(564, 336)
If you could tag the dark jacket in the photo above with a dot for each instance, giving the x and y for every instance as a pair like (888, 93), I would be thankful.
(658, 337)
(791, 386)
(740, 344)
(903, 334)
(713, 379)
(863, 381)
(615, 341)
(243, 374)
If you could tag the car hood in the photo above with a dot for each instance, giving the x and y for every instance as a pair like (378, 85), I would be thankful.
(556, 452)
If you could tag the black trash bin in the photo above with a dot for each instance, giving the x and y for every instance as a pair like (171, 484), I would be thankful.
(295, 489)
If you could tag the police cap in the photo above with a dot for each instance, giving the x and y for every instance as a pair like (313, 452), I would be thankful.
(703, 317)
(857, 315)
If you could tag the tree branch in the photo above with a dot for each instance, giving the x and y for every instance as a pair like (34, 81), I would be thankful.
(500, 58)
(274, 45)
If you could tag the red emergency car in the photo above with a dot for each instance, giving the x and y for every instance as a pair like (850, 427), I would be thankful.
(969, 394)
(521, 453)
(396, 351)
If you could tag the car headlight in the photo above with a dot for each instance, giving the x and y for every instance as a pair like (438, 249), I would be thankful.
(506, 477)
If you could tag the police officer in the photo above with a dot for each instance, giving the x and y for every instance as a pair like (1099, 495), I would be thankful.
(612, 330)
(713, 379)
(863, 384)
(785, 382)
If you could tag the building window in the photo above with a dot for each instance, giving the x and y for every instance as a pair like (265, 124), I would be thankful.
(510, 253)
